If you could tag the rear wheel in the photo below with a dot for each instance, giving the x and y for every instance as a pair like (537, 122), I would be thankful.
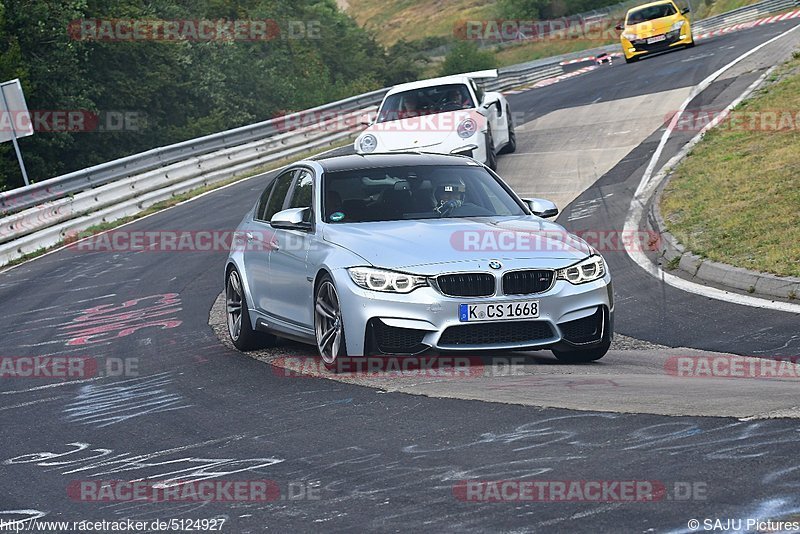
(240, 329)
(511, 146)
(491, 153)
(583, 356)
(328, 325)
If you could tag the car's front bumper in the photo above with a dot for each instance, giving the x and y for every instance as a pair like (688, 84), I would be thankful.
(473, 147)
(570, 317)
(640, 47)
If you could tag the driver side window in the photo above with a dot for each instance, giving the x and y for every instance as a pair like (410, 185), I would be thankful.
(478, 93)
(303, 193)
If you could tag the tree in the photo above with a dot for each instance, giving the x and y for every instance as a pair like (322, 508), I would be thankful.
(465, 56)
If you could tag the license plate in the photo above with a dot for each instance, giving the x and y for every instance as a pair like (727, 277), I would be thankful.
(498, 311)
(656, 39)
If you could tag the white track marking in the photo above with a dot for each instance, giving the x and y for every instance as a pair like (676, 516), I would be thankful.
(648, 184)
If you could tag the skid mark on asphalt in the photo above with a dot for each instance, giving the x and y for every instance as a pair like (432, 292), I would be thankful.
(167, 467)
(107, 404)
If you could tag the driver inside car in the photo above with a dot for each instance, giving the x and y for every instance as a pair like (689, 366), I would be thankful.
(454, 100)
(450, 200)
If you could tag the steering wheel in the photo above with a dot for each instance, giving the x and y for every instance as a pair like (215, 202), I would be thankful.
(451, 106)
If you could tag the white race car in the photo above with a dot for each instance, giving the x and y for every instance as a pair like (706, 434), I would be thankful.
(449, 115)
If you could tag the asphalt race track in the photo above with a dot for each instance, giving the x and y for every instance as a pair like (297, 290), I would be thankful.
(171, 402)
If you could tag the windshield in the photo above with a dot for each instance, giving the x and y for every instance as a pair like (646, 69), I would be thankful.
(651, 13)
(425, 101)
(414, 192)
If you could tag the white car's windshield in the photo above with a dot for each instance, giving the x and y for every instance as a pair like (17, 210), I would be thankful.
(645, 14)
(414, 192)
(425, 101)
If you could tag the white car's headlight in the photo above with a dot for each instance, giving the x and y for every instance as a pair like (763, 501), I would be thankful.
(588, 270)
(368, 143)
(677, 26)
(388, 281)
(629, 36)
(467, 128)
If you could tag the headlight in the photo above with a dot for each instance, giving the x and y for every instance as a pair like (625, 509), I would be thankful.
(467, 128)
(629, 36)
(387, 281)
(677, 26)
(588, 270)
(368, 143)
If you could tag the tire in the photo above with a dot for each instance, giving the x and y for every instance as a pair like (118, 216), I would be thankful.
(511, 146)
(691, 44)
(491, 154)
(328, 323)
(583, 356)
(633, 59)
(240, 329)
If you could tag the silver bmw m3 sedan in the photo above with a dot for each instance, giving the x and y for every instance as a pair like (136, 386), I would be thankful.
(409, 253)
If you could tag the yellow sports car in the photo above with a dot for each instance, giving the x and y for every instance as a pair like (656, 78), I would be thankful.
(654, 27)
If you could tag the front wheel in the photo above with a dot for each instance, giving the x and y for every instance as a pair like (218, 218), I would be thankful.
(328, 324)
(583, 356)
(632, 59)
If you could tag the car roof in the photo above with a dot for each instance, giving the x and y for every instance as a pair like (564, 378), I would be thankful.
(445, 80)
(395, 159)
(463, 78)
(660, 2)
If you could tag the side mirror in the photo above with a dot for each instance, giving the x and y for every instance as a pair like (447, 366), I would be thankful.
(685, 10)
(291, 219)
(619, 27)
(541, 207)
(366, 119)
(488, 104)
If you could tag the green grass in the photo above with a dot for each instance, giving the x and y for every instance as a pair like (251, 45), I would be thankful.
(416, 19)
(514, 54)
(736, 198)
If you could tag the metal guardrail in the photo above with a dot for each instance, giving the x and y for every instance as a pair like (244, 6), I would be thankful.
(743, 14)
(61, 186)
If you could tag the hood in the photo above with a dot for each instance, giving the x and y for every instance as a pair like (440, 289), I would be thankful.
(643, 30)
(416, 132)
(433, 242)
